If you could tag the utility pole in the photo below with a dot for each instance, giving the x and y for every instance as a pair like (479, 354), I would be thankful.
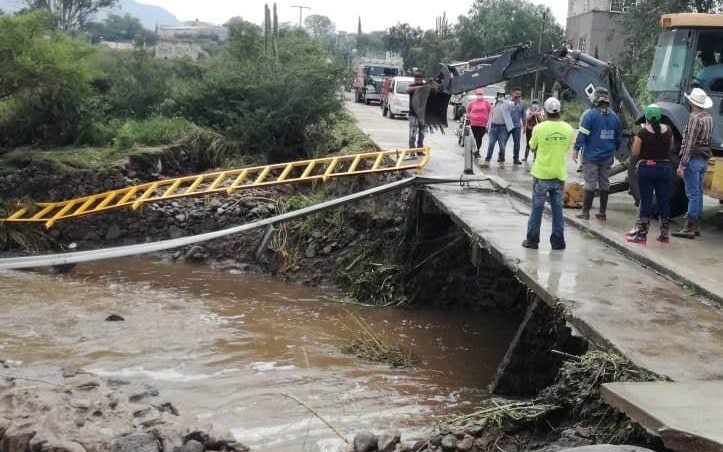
(301, 10)
(539, 51)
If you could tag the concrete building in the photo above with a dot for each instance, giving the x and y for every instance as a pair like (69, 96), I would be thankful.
(193, 30)
(176, 49)
(591, 27)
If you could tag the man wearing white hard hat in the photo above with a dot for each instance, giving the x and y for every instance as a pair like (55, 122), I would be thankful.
(695, 151)
(551, 141)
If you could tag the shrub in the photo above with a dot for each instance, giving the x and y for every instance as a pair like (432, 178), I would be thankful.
(152, 132)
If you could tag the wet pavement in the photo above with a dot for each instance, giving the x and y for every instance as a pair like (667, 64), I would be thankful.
(612, 299)
(229, 348)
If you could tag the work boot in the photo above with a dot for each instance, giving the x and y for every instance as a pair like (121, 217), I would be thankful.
(664, 236)
(697, 228)
(586, 205)
(640, 233)
(602, 215)
(688, 232)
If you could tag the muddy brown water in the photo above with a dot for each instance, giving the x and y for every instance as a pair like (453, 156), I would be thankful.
(228, 348)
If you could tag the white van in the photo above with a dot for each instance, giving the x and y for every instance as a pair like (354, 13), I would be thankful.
(395, 102)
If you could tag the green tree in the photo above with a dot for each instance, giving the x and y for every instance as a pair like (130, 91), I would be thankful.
(494, 24)
(401, 38)
(70, 14)
(371, 43)
(45, 81)
(115, 28)
(319, 25)
(429, 51)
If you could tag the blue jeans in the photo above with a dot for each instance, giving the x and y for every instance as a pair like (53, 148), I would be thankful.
(655, 178)
(693, 178)
(540, 190)
(516, 137)
(416, 133)
(498, 134)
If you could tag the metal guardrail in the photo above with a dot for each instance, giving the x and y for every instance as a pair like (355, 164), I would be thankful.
(222, 182)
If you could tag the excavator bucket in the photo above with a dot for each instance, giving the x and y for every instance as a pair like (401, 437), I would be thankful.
(431, 104)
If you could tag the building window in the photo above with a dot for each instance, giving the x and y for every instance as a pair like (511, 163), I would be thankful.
(581, 44)
(620, 6)
(572, 8)
(586, 7)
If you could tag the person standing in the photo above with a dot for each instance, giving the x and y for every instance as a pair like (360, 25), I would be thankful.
(416, 130)
(551, 141)
(500, 127)
(599, 135)
(518, 112)
(478, 112)
(652, 147)
(695, 151)
(534, 117)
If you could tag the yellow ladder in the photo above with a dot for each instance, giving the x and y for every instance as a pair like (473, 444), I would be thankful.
(223, 182)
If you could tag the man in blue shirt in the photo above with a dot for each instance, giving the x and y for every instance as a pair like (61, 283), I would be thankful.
(519, 116)
(599, 135)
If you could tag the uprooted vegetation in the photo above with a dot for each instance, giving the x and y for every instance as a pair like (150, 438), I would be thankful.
(371, 347)
(573, 401)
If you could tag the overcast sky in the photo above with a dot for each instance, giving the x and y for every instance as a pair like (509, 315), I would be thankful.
(375, 14)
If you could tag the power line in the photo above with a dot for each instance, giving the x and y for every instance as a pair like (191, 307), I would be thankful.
(301, 10)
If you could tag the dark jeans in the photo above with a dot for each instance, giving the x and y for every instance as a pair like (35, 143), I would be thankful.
(656, 179)
(498, 134)
(479, 133)
(516, 137)
(540, 191)
(528, 135)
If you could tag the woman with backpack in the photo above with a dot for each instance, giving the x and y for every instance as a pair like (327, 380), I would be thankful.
(652, 146)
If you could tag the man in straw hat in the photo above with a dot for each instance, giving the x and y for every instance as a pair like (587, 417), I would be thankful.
(695, 152)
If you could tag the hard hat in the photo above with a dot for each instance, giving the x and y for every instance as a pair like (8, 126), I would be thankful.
(653, 113)
(552, 105)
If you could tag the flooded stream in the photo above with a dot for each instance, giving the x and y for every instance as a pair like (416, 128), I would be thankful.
(230, 348)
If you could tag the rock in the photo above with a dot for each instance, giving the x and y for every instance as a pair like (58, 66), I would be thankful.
(327, 250)
(181, 218)
(17, 438)
(481, 443)
(365, 442)
(466, 444)
(113, 232)
(43, 442)
(68, 372)
(196, 253)
(475, 430)
(388, 440)
(80, 404)
(175, 232)
(135, 442)
(449, 442)
(311, 251)
(317, 235)
(115, 318)
(192, 446)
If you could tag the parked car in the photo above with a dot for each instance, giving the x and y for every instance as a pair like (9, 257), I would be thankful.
(395, 100)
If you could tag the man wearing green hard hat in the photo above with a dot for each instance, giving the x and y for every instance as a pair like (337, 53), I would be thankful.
(652, 147)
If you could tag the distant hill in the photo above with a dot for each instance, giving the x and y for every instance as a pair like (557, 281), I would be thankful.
(149, 15)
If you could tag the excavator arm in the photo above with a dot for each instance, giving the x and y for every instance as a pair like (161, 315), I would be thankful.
(580, 72)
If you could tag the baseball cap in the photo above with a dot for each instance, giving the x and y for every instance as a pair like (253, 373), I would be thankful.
(552, 105)
(652, 112)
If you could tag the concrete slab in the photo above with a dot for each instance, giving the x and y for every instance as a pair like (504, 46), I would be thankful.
(687, 416)
(659, 324)
(695, 263)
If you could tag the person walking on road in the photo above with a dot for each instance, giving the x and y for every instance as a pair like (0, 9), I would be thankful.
(500, 127)
(534, 117)
(599, 135)
(518, 112)
(478, 112)
(551, 141)
(695, 151)
(652, 147)
(416, 130)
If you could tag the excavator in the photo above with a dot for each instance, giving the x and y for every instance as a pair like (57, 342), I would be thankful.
(689, 53)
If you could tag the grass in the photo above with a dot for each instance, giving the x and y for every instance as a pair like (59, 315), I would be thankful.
(571, 112)
(370, 347)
